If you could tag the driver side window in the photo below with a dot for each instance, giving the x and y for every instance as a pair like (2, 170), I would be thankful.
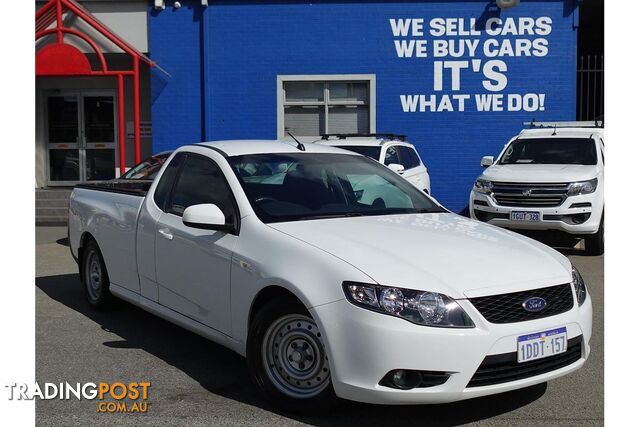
(201, 181)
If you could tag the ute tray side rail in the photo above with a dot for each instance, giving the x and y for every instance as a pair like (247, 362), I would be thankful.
(133, 188)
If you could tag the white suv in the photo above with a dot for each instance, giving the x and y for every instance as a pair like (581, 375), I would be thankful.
(389, 149)
(547, 178)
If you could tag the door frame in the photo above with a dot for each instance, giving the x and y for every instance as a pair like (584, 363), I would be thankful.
(80, 144)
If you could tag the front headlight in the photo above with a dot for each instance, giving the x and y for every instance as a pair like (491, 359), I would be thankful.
(483, 186)
(582, 187)
(579, 286)
(423, 308)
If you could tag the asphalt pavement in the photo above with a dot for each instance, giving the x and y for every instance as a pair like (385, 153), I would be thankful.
(196, 382)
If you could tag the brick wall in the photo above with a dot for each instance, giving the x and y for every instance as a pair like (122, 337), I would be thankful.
(224, 62)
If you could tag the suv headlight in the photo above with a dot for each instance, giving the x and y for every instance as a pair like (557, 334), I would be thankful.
(483, 186)
(422, 308)
(579, 286)
(582, 187)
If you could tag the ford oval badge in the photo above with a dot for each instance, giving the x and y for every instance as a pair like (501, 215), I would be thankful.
(534, 304)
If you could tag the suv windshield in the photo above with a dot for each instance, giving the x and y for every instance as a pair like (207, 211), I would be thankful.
(558, 151)
(366, 150)
(301, 186)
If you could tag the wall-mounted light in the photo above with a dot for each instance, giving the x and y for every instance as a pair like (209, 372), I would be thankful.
(177, 5)
(506, 4)
(205, 3)
(158, 4)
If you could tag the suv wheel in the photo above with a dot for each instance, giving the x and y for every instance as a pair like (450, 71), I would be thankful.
(287, 359)
(594, 244)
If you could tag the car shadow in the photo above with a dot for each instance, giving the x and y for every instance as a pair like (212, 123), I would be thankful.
(564, 243)
(223, 372)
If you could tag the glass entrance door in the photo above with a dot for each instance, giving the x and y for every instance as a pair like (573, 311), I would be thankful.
(99, 137)
(63, 114)
(81, 138)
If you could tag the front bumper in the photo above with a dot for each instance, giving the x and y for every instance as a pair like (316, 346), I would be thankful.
(363, 346)
(576, 215)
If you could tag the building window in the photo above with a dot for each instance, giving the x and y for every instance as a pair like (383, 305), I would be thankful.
(316, 105)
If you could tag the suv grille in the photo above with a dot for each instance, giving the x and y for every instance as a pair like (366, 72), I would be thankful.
(503, 368)
(507, 308)
(529, 195)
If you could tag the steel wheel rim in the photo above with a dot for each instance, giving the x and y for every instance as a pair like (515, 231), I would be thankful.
(93, 275)
(294, 357)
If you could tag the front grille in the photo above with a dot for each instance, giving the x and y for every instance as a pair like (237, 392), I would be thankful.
(530, 195)
(508, 308)
(503, 368)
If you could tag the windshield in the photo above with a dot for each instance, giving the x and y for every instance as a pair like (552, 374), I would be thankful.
(302, 186)
(147, 169)
(369, 151)
(551, 151)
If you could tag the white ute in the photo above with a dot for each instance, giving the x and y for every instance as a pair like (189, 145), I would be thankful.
(391, 150)
(266, 248)
(550, 177)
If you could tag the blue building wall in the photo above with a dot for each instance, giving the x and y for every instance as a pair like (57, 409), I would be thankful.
(224, 61)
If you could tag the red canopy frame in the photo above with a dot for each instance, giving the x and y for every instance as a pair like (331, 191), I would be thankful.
(64, 60)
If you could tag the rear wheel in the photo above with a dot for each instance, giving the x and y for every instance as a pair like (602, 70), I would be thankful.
(95, 277)
(287, 358)
(594, 244)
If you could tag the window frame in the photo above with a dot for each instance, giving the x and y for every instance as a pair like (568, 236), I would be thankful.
(234, 227)
(326, 79)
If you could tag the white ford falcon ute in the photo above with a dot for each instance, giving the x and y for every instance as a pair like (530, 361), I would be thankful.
(333, 276)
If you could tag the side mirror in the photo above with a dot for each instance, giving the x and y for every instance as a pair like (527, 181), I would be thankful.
(486, 161)
(399, 169)
(206, 216)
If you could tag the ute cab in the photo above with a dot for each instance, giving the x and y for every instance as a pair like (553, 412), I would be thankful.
(391, 150)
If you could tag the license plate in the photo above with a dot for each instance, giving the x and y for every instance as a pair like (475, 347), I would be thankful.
(525, 216)
(542, 344)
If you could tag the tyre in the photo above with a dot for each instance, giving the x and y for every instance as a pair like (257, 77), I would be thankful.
(594, 244)
(95, 277)
(287, 359)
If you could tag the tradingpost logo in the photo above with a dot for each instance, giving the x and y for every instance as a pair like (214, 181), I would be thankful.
(116, 397)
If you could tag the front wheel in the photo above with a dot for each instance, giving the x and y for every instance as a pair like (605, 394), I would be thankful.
(287, 359)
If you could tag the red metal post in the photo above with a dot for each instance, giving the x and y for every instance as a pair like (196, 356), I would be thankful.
(121, 125)
(136, 102)
(59, 21)
(136, 107)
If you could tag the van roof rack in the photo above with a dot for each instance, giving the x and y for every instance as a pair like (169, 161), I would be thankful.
(394, 136)
(558, 125)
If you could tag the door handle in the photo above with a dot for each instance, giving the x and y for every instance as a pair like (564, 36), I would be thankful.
(164, 232)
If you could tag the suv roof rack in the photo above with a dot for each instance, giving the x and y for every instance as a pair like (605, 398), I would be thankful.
(394, 136)
(583, 124)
